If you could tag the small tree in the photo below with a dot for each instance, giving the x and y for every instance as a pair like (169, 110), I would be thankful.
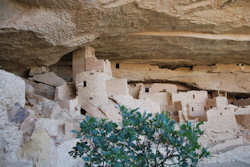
(140, 140)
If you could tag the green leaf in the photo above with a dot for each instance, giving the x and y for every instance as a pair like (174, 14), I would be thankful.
(133, 143)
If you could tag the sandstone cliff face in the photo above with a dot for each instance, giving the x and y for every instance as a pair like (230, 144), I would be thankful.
(171, 32)
(210, 38)
(229, 78)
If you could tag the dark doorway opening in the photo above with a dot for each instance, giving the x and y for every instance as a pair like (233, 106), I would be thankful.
(83, 112)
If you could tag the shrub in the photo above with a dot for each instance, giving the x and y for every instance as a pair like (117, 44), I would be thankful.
(140, 140)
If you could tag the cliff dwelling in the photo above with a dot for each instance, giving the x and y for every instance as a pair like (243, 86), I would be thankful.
(61, 61)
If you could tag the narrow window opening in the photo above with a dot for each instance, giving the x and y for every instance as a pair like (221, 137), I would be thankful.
(84, 84)
(193, 96)
(117, 65)
(192, 108)
(146, 90)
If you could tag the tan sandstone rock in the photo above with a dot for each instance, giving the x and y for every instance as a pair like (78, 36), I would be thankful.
(38, 149)
(155, 31)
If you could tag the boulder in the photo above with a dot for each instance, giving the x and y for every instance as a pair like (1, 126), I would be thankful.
(41, 89)
(39, 149)
(12, 90)
(12, 100)
(45, 90)
(11, 140)
(49, 78)
(62, 158)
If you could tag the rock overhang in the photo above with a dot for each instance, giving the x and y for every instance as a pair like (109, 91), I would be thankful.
(166, 33)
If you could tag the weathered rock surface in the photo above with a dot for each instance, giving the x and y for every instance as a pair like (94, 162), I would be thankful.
(39, 149)
(37, 133)
(239, 156)
(62, 157)
(12, 90)
(230, 78)
(170, 32)
(40, 89)
(38, 70)
(18, 114)
(10, 141)
(12, 99)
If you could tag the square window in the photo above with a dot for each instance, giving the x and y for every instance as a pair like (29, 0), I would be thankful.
(146, 90)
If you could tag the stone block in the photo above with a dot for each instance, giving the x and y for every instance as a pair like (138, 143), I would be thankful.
(38, 70)
(65, 92)
(41, 89)
(49, 78)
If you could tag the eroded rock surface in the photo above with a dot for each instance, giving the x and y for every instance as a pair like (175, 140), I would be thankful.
(230, 78)
(37, 131)
(12, 90)
(170, 32)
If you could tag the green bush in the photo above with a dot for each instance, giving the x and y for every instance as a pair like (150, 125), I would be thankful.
(140, 140)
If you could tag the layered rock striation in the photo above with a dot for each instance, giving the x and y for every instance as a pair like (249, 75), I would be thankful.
(174, 33)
